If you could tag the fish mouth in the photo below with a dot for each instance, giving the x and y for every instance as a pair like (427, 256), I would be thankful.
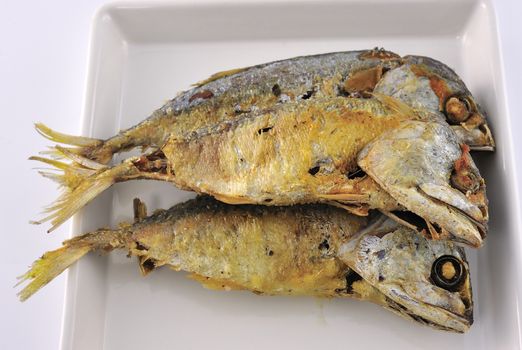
(478, 138)
(430, 314)
(434, 317)
(470, 231)
(453, 216)
(399, 302)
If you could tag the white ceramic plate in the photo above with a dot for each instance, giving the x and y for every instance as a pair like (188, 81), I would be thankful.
(143, 54)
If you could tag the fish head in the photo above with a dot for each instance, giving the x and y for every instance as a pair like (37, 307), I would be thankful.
(425, 281)
(428, 85)
(425, 168)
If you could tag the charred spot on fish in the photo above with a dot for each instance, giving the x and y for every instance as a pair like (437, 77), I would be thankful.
(270, 252)
(324, 245)
(148, 265)
(276, 90)
(381, 278)
(307, 95)
(263, 130)
(314, 170)
(341, 92)
(412, 219)
(457, 109)
(340, 290)
(357, 173)
(380, 254)
(448, 272)
(140, 246)
(268, 200)
(351, 278)
(205, 95)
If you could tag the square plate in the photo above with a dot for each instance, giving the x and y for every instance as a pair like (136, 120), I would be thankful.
(142, 54)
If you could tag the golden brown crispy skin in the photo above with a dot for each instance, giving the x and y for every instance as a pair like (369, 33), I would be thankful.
(265, 250)
(295, 154)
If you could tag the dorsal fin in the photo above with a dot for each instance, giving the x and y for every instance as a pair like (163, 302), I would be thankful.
(219, 75)
(140, 210)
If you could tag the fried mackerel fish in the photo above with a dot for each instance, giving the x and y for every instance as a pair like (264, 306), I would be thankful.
(315, 250)
(227, 138)
(350, 152)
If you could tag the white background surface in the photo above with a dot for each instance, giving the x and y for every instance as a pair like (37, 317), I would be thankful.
(43, 60)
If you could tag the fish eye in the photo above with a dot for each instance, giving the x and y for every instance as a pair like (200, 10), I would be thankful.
(457, 109)
(448, 272)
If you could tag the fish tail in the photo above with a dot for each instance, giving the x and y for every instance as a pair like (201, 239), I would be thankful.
(149, 133)
(56, 136)
(82, 180)
(52, 263)
(87, 147)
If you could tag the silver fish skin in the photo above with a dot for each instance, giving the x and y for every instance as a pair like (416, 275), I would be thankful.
(297, 78)
(230, 94)
(420, 82)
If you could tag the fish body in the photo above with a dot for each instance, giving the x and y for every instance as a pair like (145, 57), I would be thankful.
(305, 153)
(302, 148)
(315, 250)
(299, 153)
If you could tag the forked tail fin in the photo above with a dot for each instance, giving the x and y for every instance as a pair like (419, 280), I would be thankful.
(86, 147)
(82, 180)
(56, 136)
(52, 263)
